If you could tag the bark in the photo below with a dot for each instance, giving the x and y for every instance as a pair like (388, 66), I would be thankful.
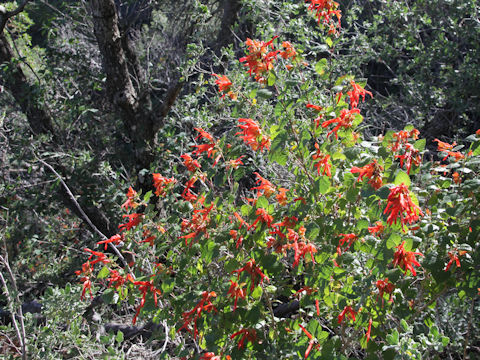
(23, 92)
(141, 120)
(229, 18)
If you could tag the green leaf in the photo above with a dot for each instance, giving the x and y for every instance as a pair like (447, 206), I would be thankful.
(262, 202)
(147, 196)
(329, 42)
(402, 177)
(420, 144)
(324, 184)
(103, 273)
(119, 337)
(393, 240)
(277, 152)
(320, 66)
(271, 79)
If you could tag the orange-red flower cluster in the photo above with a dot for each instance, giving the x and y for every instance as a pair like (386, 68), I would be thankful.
(402, 138)
(249, 335)
(454, 259)
(317, 109)
(323, 161)
(347, 310)
(190, 163)
(406, 259)
(347, 239)
(161, 183)
(254, 271)
(134, 220)
(324, 11)
(197, 224)
(144, 287)
(288, 51)
(372, 171)
(311, 342)
(411, 155)
(259, 59)
(236, 291)
(193, 315)
(130, 203)
(377, 229)
(355, 94)
(345, 121)
(252, 135)
(446, 147)
(266, 188)
(400, 205)
(385, 286)
(224, 86)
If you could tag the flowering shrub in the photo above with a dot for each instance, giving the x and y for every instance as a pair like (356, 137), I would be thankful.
(214, 260)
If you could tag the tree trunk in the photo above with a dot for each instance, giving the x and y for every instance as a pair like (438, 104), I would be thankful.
(23, 92)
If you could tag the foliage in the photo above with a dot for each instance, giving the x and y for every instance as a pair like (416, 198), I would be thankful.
(266, 207)
(268, 190)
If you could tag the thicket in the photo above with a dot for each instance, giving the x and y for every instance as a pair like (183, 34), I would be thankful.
(284, 206)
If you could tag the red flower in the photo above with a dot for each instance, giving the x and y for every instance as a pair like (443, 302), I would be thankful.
(265, 188)
(411, 155)
(347, 310)
(85, 279)
(160, 183)
(318, 109)
(116, 279)
(384, 286)
(406, 259)
(323, 162)
(356, 93)
(259, 60)
(190, 163)
(377, 229)
(264, 217)
(400, 204)
(101, 257)
(453, 258)
(348, 239)
(236, 291)
(186, 193)
(282, 196)
(130, 203)
(250, 335)
(144, 287)
(402, 138)
(310, 343)
(345, 121)
(253, 270)
(210, 356)
(324, 10)
(307, 289)
(238, 238)
(372, 171)
(234, 164)
(252, 135)
(369, 330)
(197, 225)
(115, 239)
(224, 85)
(193, 315)
(288, 51)
(134, 220)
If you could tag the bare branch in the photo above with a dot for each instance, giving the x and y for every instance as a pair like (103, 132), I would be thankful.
(84, 216)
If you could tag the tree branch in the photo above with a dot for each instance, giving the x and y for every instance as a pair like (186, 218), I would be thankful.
(5, 15)
(84, 216)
